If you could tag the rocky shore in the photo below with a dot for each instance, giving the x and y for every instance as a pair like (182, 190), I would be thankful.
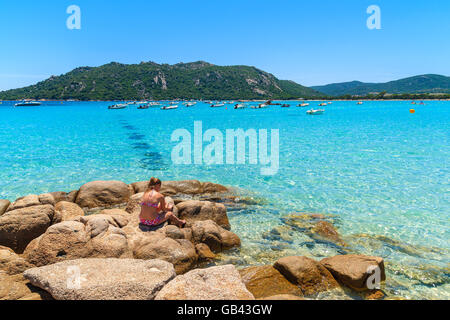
(94, 230)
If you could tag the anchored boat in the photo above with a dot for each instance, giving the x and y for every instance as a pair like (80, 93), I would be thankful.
(314, 112)
(118, 106)
(169, 107)
(27, 104)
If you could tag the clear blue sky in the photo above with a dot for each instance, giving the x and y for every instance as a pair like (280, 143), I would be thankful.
(311, 42)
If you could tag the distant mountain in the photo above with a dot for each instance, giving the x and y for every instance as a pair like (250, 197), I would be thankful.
(429, 83)
(149, 80)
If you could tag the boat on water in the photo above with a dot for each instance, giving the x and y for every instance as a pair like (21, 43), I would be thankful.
(314, 112)
(359, 103)
(144, 106)
(240, 106)
(323, 104)
(27, 104)
(303, 105)
(191, 104)
(285, 105)
(261, 106)
(217, 105)
(118, 106)
(169, 107)
(330, 102)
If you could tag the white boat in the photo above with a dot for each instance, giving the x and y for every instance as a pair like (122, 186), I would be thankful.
(330, 102)
(303, 105)
(263, 106)
(190, 104)
(217, 105)
(323, 104)
(169, 107)
(27, 104)
(240, 106)
(359, 103)
(315, 112)
(118, 106)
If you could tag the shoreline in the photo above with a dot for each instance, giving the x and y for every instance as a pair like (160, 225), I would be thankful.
(116, 204)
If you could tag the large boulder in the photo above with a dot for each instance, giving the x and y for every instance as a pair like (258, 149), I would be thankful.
(68, 210)
(215, 283)
(11, 263)
(308, 274)
(102, 194)
(156, 245)
(89, 236)
(24, 202)
(265, 281)
(47, 198)
(187, 187)
(194, 210)
(354, 270)
(4, 204)
(217, 238)
(20, 226)
(103, 279)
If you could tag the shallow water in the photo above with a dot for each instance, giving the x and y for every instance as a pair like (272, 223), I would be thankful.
(379, 173)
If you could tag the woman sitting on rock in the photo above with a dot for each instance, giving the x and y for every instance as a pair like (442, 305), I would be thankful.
(154, 210)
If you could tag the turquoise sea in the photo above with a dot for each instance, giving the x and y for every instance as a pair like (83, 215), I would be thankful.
(378, 172)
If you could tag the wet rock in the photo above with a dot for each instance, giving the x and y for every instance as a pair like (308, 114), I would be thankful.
(327, 231)
(354, 270)
(194, 210)
(4, 204)
(307, 273)
(68, 210)
(103, 279)
(215, 283)
(11, 263)
(20, 226)
(279, 233)
(102, 194)
(265, 281)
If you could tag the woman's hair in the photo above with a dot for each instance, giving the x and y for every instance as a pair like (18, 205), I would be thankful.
(152, 183)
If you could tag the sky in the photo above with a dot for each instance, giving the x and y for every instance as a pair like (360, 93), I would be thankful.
(311, 42)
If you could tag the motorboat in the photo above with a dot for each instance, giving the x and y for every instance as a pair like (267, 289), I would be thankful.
(118, 106)
(27, 104)
(143, 106)
(169, 107)
(323, 104)
(217, 105)
(359, 103)
(240, 106)
(303, 105)
(285, 105)
(190, 104)
(315, 112)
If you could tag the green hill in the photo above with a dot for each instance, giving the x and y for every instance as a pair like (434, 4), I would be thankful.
(429, 83)
(148, 80)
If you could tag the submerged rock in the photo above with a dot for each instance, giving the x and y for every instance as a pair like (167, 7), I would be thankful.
(307, 273)
(103, 279)
(19, 227)
(265, 281)
(354, 270)
(215, 283)
(103, 194)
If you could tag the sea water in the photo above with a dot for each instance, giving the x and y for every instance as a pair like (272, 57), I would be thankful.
(378, 172)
